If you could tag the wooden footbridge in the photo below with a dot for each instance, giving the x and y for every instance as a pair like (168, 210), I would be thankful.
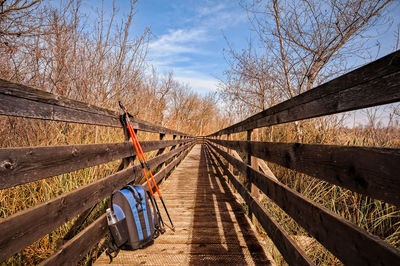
(199, 180)
(210, 224)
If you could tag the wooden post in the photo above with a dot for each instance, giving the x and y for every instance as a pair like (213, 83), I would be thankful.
(248, 158)
(162, 136)
(172, 148)
(230, 167)
(126, 161)
(133, 148)
(253, 162)
(160, 151)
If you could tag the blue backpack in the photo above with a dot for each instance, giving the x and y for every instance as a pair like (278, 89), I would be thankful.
(132, 221)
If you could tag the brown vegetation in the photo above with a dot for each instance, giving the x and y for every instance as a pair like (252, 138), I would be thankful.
(54, 49)
(307, 43)
(299, 45)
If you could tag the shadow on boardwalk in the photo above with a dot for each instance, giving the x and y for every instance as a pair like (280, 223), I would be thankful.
(211, 227)
(220, 228)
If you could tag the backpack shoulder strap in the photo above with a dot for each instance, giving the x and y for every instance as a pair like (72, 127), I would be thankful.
(136, 195)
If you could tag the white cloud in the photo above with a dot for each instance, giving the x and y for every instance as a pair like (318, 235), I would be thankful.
(188, 40)
(221, 16)
(178, 41)
(208, 10)
(199, 83)
(187, 50)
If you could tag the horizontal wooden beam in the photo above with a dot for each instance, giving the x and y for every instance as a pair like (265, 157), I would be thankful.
(23, 101)
(351, 244)
(23, 165)
(74, 250)
(23, 228)
(370, 171)
(290, 251)
(374, 84)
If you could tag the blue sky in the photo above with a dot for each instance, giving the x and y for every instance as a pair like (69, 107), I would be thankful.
(188, 36)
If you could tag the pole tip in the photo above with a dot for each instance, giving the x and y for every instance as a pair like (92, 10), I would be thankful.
(120, 105)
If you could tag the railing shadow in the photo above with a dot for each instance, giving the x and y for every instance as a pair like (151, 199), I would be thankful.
(222, 237)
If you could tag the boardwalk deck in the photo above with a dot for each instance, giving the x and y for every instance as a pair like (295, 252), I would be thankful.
(211, 227)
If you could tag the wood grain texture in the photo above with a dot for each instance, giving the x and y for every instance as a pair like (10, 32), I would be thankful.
(22, 165)
(169, 167)
(351, 244)
(374, 84)
(290, 251)
(74, 250)
(370, 171)
(23, 228)
(24, 101)
(211, 227)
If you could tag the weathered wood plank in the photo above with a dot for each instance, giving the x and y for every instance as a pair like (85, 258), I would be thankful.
(196, 249)
(164, 171)
(291, 252)
(23, 228)
(338, 95)
(266, 170)
(74, 250)
(22, 165)
(351, 244)
(160, 151)
(206, 226)
(126, 258)
(370, 171)
(24, 101)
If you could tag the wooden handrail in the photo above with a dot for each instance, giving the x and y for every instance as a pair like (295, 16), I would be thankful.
(23, 228)
(366, 170)
(29, 164)
(75, 249)
(286, 245)
(354, 90)
(370, 171)
(72, 251)
(351, 244)
(23, 101)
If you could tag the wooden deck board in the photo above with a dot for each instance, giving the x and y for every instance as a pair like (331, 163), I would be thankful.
(211, 227)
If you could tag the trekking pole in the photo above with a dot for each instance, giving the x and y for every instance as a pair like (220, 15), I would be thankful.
(132, 133)
(154, 181)
(144, 164)
(129, 126)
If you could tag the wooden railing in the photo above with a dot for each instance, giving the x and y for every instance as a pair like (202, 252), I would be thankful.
(370, 171)
(28, 164)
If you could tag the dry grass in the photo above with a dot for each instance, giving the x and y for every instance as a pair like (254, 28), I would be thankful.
(375, 216)
(17, 132)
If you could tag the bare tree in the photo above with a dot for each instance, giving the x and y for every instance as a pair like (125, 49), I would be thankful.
(101, 66)
(17, 18)
(248, 84)
(301, 43)
(310, 38)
